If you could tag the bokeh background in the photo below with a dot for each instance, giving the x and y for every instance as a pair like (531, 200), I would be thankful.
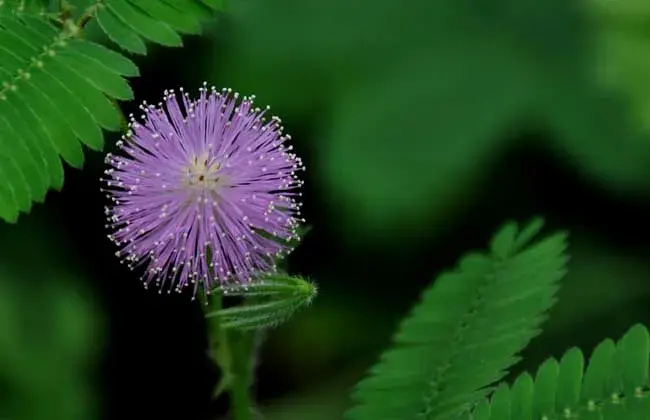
(424, 125)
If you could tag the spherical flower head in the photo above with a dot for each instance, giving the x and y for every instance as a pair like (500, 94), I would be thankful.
(204, 193)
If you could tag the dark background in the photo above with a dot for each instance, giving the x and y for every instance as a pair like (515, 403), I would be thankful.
(423, 127)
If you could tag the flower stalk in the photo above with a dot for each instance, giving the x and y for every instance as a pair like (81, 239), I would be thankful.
(232, 351)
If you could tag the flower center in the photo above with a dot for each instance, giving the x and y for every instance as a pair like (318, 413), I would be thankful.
(202, 174)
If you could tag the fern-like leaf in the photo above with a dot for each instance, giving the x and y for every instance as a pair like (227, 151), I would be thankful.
(129, 23)
(25, 6)
(54, 90)
(614, 386)
(467, 330)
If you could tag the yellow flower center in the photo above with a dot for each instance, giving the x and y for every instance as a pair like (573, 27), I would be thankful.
(203, 174)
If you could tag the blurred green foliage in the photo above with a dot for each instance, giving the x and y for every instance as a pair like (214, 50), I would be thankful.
(416, 101)
(49, 329)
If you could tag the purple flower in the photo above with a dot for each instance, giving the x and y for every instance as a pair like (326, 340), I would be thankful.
(194, 188)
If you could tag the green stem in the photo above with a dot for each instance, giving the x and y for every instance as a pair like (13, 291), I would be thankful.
(232, 352)
(242, 374)
(218, 348)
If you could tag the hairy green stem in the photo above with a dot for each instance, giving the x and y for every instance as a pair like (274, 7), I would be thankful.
(242, 374)
(232, 351)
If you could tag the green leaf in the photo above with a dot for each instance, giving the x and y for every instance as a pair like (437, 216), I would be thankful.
(103, 111)
(37, 137)
(615, 379)
(627, 400)
(183, 22)
(23, 6)
(503, 242)
(269, 301)
(8, 206)
(51, 116)
(465, 333)
(483, 411)
(126, 22)
(522, 398)
(112, 60)
(545, 389)
(597, 373)
(569, 380)
(528, 232)
(77, 115)
(143, 24)
(29, 177)
(635, 349)
(214, 4)
(54, 92)
(501, 403)
(118, 32)
(191, 7)
(98, 75)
